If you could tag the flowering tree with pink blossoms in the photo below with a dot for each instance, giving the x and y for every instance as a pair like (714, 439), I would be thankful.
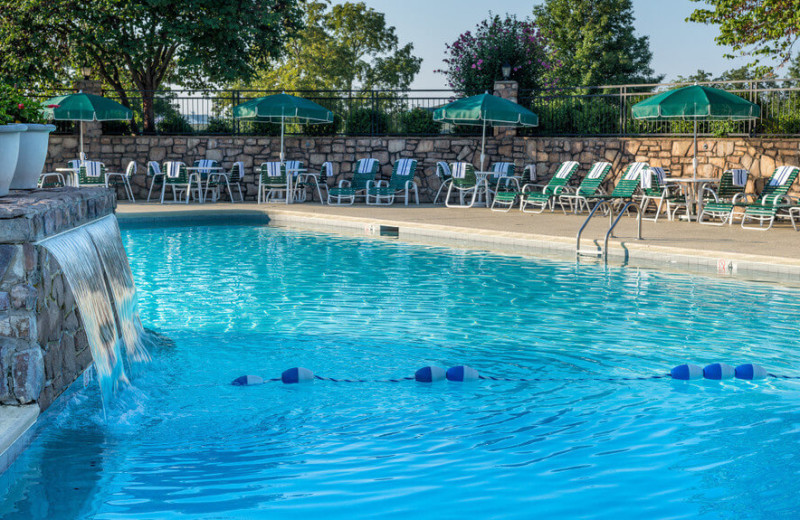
(474, 61)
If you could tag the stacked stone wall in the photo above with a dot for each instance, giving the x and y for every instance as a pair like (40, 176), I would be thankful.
(759, 155)
(43, 347)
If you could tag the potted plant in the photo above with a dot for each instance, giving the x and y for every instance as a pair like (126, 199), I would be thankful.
(9, 141)
(33, 140)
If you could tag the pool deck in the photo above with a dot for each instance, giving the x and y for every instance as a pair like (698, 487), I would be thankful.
(684, 245)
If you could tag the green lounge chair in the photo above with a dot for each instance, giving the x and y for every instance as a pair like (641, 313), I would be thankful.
(401, 181)
(503, 186)
(235, 178)
(626, 187)
(557, 185)
(92, 173)
(445, 177)
(654, 187)
(463, 182)
(365, 171)
(506, 198)
(155, 173)
(180, 180)
(299, 184)
(115, 178)
(729, 195)
(591, 186)
(272, 184)
(773, 199)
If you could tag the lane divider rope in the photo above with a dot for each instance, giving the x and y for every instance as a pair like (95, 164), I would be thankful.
(464, 373)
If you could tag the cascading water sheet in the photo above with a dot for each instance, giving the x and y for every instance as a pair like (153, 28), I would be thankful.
(106, 237)
(94, 263)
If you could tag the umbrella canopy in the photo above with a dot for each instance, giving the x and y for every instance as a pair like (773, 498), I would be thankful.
(695, 103)
(283, 108)
(85, 107)
(485, 110)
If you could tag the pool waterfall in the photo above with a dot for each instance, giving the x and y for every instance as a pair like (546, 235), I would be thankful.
(96, 268)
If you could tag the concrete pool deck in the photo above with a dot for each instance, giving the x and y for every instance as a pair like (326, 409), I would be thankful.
(686, 245)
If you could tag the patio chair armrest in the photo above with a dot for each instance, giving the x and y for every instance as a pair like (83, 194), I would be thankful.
(711, 192)
(344, 183)
(538, 187)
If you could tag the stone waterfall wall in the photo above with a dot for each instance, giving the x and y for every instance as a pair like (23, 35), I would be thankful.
(43, 347)
(759, 155)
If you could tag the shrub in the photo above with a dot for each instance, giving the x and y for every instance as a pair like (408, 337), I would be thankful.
(324, 129)
(174, 123)
(217, 125)
(15, 107)
(419, 121)
(117, 127)
(474, 61)
(367, 121)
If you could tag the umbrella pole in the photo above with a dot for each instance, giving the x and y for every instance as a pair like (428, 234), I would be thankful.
(282, 122)
(694, 160)
(81, 156)
(483, 143)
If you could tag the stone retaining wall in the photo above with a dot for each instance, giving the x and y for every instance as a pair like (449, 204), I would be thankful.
(759, 155)
(43, 347)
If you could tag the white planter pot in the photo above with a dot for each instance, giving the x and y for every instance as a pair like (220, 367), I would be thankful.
(9, 153)
(32, 154)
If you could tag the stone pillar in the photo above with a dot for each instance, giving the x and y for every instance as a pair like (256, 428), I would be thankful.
(506, 90)
(92, 130)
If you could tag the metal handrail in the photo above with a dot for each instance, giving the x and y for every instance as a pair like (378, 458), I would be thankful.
(622, 212)
(612, 224)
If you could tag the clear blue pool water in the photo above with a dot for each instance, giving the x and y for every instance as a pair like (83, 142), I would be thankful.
(182, 443)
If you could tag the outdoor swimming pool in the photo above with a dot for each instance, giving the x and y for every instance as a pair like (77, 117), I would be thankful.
(243, 299)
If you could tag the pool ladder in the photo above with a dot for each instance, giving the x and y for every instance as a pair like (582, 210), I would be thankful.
(612, 223)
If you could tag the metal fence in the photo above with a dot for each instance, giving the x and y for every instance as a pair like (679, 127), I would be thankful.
(599, 111)
(361, 113)
(606, 110)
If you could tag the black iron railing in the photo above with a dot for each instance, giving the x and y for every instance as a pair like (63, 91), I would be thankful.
(598, 111)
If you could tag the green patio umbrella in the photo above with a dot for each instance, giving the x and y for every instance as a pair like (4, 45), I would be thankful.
(483, 110)
(283, 108)
(85, 107)
(695, 103)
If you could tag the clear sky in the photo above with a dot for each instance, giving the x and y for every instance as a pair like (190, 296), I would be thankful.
(679, 47)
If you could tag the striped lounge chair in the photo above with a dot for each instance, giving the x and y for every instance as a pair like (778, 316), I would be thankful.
(591, 187)
(722, 202)
(272, 185)
(178, 178)
(445, 178)
(558, 184)
(347, 191)
(772, 200)
(92, 173)
(401, 182)
(655, 188)
(463, 182)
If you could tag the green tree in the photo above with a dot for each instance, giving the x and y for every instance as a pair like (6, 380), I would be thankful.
(595, 42)
(343, 47)
(475, 60)
(193, 43)
(761, 28)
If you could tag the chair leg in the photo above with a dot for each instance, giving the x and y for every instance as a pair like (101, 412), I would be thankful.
(152, 183)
